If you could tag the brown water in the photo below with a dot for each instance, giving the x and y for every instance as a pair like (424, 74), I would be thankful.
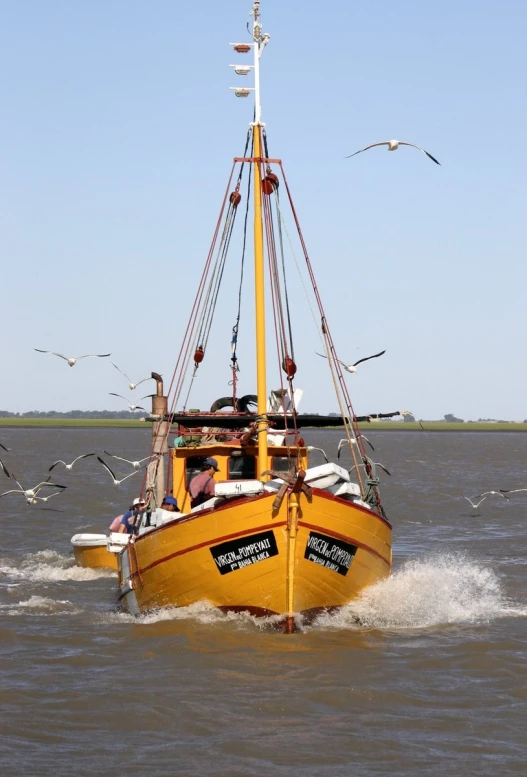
(433, 683)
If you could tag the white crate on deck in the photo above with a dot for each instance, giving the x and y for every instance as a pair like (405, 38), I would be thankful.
(326, 475)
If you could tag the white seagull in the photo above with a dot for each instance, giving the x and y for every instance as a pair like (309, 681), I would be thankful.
(33, 500)
(345, 442)
(393, 145)
(135, 464)
(116, 482)
(131, 385)
(70, 466)
(483, 496)
(72, 361)
(353, 367)
(30, 493)
(375, 464)
(133, 408)
(314, 448)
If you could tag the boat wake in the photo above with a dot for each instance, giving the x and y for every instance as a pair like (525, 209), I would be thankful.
(40, 605)
(49, 566)
(202, 612)
(442, 590)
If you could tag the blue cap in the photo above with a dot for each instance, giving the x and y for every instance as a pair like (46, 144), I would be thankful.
(211, 463)
(169, 500)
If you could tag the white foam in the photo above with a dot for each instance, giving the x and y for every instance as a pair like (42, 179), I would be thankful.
(40, 605)
(50, 566)
(442, 590)
(202, 612)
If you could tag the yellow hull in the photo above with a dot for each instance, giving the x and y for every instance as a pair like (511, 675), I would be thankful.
(95, 557)
(247, 556)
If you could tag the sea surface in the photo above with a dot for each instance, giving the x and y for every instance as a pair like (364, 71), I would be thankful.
(433, 681)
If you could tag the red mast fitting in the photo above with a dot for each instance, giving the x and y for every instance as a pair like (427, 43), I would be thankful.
(270, 183)
(198, 356)
(242, 48)
(235, 198)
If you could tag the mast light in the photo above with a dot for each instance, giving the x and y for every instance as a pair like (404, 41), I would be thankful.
(242, 48)
(242, 70)
(241, 92)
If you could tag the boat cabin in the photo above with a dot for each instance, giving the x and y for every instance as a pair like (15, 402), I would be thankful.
(235, 463)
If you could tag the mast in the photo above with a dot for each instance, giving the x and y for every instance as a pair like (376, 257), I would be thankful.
(258, 45)
(259, 263)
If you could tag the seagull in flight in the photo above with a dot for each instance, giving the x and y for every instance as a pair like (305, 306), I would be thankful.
(393, 145)
(345, 442)
(135, 464)
(353, 367)
(4, 448)
(31, 493)
(131, 385)
(72, 361)
(484, 496)
(132, 407)
(116, 482)
(314, 448)
(375, 464)
(70, 466)
(33, 500)
(4, 469)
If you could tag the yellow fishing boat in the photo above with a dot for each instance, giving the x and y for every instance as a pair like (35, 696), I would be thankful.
(270, 534)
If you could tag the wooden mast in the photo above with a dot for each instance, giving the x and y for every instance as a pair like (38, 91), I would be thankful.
(259, 262)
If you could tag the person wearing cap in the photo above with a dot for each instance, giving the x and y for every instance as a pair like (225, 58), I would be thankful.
(130, 520)
(170, 503)
(202, 486)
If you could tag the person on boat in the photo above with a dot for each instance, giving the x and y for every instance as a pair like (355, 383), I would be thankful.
(130, 520)
(202, 486)
(170, 503)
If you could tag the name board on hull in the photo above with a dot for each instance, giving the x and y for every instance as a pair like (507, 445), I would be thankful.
(329, 552)
(237, 554)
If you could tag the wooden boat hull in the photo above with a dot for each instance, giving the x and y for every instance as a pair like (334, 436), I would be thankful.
(247, 556)
(90, 550)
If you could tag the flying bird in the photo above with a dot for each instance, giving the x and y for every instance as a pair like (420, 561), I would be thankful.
(375, 464)
(482, 498)
(345, 442)
(70, 466)
(353, 367)
(314, 448)
(131, 385)
(33, 500)
(72, 361)
(132, 407)
(507, 490)
(393, 145)
(4, 469)
(31, 493)
(116, 482)
(4, 448)
(135, 464)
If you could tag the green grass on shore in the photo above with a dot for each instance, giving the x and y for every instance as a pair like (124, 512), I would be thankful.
(89, 423)
(117, 423)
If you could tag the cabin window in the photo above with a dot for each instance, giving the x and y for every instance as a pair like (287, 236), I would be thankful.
(193, 467)
(282, 463)
(242, 467)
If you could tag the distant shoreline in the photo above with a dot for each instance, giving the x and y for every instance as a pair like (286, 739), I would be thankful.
(398, 426)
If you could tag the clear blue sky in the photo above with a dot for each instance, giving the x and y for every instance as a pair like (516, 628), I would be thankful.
(117, 135)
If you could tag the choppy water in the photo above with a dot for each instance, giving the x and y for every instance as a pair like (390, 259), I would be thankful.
(431, 683)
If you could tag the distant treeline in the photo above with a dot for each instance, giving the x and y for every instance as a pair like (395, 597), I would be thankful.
(72, 414)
